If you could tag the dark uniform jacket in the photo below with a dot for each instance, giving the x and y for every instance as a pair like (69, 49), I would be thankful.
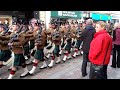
(86, 37)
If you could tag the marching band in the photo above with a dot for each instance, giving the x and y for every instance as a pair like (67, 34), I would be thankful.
(23, 44)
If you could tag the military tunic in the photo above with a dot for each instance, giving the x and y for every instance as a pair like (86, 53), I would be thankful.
(17, 48)
(5, 52)
(57, 42)
(40, 44)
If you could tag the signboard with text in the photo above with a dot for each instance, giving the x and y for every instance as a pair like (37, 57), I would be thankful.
(101, 17)
(66, 14)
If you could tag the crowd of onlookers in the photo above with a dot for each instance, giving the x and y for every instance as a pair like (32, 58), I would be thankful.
(100, 41)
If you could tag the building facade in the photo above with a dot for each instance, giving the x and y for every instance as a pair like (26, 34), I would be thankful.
(64, 16)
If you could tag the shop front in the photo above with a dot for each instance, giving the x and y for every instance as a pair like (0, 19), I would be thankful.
(66, 15)
(115, 18)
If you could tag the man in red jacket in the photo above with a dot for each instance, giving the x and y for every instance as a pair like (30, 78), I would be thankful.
(99, 53)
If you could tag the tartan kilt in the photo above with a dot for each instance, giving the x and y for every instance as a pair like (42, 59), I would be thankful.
(5, 55)
(26, 49)
(78, 43)
(56, 50)
(32, 44)
(19, 59)
(68, 47)
(39, 54)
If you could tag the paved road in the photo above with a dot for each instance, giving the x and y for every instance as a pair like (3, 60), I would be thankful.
(71, 69)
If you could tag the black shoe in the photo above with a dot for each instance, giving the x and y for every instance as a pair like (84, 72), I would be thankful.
(113, 66)
(25, 75)
(58, 62)
(30, 74)
(43, 68)
(64, 61)
(83, 75)
(118, 66)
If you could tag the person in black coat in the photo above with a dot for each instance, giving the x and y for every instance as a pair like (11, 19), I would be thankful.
(87, 36)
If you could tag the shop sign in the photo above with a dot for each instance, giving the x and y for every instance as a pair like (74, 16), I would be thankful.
(101, 17)
(66, 14)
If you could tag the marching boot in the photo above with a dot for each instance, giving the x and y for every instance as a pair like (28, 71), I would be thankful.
(51, 63)
(81, 52)
(44, 65)
(65, 57)
(12, 73)
(10, 76)
(33, 69)
(25, 72)
(58, 60)
(78, 53)
(69, 56)
(74, 55)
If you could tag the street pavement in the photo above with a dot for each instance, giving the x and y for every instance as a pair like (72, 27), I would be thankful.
(71, 69)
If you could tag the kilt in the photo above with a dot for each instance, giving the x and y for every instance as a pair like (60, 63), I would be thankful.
(32, 44)
(68, 47)
(26, 49)
(56, 50)
(39, 54)
(78, 43)
(19, 59)
(5, 55)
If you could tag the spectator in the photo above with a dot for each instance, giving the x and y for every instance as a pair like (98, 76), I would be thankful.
(100, 50)
(116, 46)
(86, 37)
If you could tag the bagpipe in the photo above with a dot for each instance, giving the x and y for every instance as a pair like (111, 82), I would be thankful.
(5, 32)
(6, 29)
(56, 34)
(22, 28)
(3, 36)
(38, 39)
(15, 36)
